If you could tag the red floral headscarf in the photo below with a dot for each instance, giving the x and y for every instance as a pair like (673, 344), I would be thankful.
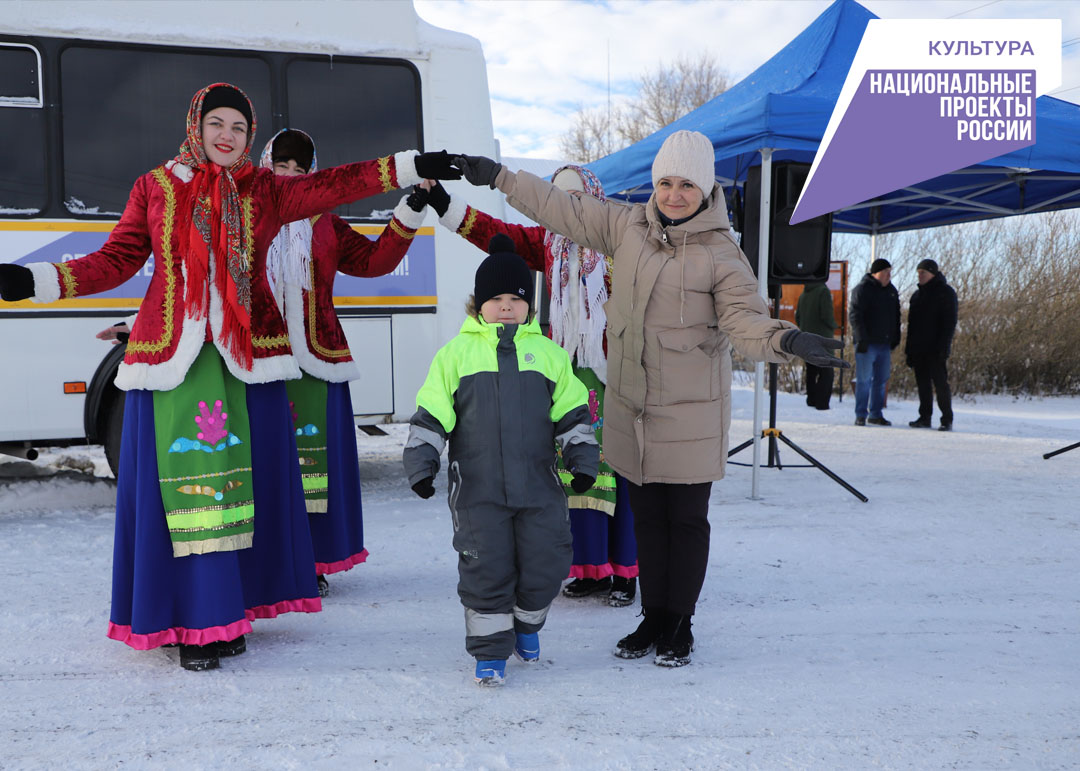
(217, 225)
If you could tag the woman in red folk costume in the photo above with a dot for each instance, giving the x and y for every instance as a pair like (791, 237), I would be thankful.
(211, 530)
(578, 281)
(301, 264)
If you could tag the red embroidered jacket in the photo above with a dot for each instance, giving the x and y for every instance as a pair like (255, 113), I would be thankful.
(310, 314)
(477, 228)
(164, 341)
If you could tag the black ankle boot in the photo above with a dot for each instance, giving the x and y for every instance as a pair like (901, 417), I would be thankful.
(196, 658)
(623, 591)
(583, 587)
(232, 647)
(676, 643)
(639, 642)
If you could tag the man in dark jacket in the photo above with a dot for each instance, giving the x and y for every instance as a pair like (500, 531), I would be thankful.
(875, 325)
(814, 313)
(931, 324)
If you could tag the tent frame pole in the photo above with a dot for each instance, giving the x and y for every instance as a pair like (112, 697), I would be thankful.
(764, 228)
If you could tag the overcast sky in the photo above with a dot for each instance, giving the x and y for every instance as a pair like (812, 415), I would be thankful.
(545, 58)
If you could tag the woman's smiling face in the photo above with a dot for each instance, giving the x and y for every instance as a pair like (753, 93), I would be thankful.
(225, 135)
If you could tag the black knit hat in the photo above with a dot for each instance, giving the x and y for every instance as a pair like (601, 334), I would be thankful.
(293, 145)
(226, 96)
(928, 265)
(879, 265)
(503, 272)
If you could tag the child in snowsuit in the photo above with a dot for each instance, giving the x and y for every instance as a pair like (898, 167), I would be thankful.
(505, 396)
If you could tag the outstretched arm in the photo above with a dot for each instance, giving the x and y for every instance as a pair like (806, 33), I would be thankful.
(297, 198)
(359, 256)
(478, 227)
(121, 256)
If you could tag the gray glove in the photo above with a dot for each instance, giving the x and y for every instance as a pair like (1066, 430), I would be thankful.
(813, 349)
(478, 170)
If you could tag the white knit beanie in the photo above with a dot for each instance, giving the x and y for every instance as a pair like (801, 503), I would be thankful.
(686, 154)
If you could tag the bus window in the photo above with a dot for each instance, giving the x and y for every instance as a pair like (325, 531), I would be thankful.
(123, 113)
(356, 109)
(22, 123)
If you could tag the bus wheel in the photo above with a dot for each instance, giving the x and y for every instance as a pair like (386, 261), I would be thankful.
(114, 429)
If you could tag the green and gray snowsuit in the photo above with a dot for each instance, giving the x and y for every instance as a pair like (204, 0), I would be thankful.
(505, 396)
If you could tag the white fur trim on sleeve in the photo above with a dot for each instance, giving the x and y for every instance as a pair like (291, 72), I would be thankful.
(405, 168)
(407, 217)
(46, 282)
(180, 171)
(455, 214)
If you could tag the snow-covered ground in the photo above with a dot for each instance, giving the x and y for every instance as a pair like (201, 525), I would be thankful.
(934, 627)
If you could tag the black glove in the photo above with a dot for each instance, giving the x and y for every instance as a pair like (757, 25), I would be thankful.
(436, 166)
(439, 199)
(862, 347)
(16, 283)
(478, 170)
(814, 349)
(418, 199)
(581, 482)
(425, 488)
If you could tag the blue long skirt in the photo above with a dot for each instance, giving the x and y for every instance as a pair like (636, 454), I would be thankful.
(159, 599)
(338, 533)
(604, 544)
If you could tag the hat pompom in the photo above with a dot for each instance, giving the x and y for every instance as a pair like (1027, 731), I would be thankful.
(500, 242)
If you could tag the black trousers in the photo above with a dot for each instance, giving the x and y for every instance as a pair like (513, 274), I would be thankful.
(932, 375)
(671, 525)
(819, 382)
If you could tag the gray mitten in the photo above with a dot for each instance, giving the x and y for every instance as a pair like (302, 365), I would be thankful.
(813, 349)
(478, 170)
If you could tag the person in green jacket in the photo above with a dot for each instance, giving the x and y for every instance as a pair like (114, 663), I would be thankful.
(506, 397)
(814, 313)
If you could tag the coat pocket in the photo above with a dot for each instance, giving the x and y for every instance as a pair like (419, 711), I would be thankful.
(689, 365)
(616, 329)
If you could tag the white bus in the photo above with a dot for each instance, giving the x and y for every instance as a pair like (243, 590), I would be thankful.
(94, 94)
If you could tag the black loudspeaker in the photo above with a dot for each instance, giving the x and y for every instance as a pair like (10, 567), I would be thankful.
(798, 254)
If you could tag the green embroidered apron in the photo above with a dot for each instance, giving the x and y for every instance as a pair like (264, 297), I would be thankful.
(307, 399)
(601, 496)
(202, 439)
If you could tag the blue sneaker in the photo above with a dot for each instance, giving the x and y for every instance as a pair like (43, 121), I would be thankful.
(491, 672)
(527, 647)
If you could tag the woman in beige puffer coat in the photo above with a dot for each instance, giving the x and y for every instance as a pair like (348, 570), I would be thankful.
(682, 294)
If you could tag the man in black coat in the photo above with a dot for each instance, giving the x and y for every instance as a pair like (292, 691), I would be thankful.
(931, 324)
(875, 326)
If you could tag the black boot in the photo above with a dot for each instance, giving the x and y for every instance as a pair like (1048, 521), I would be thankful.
(639, 642)
(232, 647)
(675, 645)
(583, 587)
(324, 585)
(196, 658)
(623, 591)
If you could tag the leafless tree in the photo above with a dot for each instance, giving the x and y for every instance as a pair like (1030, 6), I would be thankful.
(663, 96)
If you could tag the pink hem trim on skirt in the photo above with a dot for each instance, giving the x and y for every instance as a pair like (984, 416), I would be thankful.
(603, 571)
(329, 568)
(178, 635)
(303, 605)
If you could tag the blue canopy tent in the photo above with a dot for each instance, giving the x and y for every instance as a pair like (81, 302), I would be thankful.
(785, 106)
(780, 113)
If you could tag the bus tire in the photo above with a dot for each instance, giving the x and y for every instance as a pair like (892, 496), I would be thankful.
(113, 429)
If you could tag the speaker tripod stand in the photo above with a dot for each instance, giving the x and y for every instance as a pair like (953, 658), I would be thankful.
(772, 433)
